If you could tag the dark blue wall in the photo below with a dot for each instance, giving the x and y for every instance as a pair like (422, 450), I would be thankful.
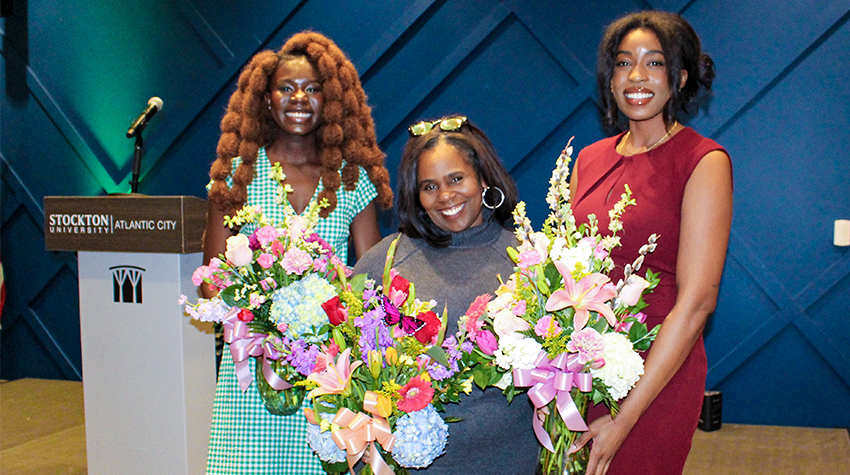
(74, 74)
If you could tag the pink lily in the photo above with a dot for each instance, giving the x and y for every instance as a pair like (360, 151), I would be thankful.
(590, 293)
(336, 376)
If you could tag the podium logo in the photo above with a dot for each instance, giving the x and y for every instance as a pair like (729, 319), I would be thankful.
(127, 284)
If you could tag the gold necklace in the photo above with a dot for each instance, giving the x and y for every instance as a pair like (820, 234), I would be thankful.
(656, 143)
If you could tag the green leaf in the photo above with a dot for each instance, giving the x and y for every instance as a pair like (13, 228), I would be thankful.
(553, 277)
(439, 355)
(483, 375)
(358, 283)
(637, 331)
(229, 294)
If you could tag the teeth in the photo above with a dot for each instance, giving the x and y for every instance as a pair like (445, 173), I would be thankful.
(639, 95)
(453, 211)
(299, 115)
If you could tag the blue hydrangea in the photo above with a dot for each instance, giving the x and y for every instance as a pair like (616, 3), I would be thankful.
(420, 437)
(323, 444)
(299, 305)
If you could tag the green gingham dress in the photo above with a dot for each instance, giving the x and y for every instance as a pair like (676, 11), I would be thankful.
(245, 439)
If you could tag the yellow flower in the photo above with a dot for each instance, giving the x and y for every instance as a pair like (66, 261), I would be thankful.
(425, 376)
(392, 356)
(375, 364)
(383, 405)
(467, 386)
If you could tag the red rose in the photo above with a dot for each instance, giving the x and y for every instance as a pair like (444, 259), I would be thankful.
(245, 315)
(336, 312)
(427, 334)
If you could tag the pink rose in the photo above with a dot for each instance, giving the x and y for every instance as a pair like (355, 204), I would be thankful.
(505, 323)
(486, 342)
(631, 292)
(277, 248)
(238, 251)
(265, 260)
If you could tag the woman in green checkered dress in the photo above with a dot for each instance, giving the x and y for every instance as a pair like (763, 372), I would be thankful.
(304, 108)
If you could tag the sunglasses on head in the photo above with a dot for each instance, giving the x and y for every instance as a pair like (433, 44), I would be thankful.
(447, 124)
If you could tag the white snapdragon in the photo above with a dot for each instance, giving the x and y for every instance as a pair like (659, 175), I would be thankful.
(572, 257)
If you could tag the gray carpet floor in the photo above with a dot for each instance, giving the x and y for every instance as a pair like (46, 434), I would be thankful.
(42, 432)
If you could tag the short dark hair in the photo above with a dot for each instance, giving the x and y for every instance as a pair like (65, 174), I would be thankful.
(682, 50)
(478, 151)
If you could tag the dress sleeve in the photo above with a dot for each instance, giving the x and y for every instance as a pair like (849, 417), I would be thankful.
(364, 193)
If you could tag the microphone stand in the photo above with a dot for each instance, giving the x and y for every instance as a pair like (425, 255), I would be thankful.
(137, 162)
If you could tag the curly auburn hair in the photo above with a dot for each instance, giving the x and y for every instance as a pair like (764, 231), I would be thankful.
(682, 51)
(347, 132)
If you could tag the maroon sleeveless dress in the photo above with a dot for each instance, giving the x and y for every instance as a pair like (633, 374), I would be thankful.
(660, 441)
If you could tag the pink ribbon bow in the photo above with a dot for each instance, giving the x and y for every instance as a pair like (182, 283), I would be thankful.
(360, 432)
(244, 344)
(552, 379)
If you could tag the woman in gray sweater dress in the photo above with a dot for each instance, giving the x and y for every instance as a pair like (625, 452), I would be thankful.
(455, 200)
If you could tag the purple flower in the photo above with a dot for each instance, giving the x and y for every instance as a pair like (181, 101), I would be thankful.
(303, 356)
(322, 243)
(253, 242)
(467, 346)
(369, 294)
(440, 372)
(368, 323)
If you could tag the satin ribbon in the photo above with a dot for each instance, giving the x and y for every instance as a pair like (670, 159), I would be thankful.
(244, 344)
(359, 432)
(551, 379)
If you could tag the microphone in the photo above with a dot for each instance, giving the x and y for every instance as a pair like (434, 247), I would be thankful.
(138, 125)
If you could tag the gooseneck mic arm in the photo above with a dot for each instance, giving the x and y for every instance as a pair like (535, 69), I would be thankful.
(135, 130)
(137, 164)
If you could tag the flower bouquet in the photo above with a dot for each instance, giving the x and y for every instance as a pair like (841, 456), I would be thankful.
(559, 328)
(382, 378)
(272, 285)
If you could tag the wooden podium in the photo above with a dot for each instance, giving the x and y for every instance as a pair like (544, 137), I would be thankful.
(148, 370)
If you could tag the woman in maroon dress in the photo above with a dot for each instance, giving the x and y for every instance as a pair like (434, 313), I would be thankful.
(650, 70)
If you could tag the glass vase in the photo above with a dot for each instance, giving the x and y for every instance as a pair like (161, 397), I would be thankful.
(279, 403)
(560, 462)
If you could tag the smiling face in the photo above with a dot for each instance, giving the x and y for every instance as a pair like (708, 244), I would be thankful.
(295, 97)
(639, 83)
(449, 188)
